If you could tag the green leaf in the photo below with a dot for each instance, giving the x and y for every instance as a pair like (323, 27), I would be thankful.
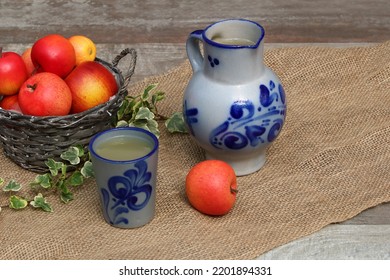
(147, 90)
(45, 181)
(87, 170)
(66, 194)
(16, 202)
(40, 202)
(76, 179)
(150, 125)
(122, 109)
(71, 155)
(1, 181)
(146, 104)
(80, 150)
(158, 96)
(176, 123)
(66, 197)
(63, 170)
(140, 123)
(135, 107)
(144, 114)
(153, 127)
(12, 186)
(54, 166)
(122, 123)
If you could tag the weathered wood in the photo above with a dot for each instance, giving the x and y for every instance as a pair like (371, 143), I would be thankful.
(337, 242)
(170, 21)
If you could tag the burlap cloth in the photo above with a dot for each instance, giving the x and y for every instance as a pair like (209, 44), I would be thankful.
(330, 162)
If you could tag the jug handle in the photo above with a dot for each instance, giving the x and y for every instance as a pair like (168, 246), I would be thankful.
(193, 50)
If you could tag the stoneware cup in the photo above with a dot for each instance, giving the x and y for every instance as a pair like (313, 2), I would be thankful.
(127, 188)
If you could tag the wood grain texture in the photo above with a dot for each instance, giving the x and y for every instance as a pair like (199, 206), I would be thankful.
(337, 242)
(170, 21)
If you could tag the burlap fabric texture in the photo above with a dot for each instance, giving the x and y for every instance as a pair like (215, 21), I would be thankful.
(330, 162)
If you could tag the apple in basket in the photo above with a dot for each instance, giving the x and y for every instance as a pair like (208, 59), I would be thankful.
(13, 72)
(10, 102)
(26, 56)
(45, 94)
(55, 54)
(91, 84)
(211, 187)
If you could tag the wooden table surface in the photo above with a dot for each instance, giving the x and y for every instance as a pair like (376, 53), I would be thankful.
(158, 30)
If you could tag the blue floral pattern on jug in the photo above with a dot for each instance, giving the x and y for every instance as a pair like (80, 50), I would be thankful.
(190, 116)
(129, 192)
(248, 125)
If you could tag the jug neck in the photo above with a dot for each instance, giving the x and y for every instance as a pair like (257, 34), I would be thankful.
(233, 64)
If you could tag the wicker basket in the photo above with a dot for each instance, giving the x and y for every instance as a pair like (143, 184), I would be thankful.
(29, 141)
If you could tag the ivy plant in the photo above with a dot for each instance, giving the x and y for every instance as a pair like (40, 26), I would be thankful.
(142, 111)
(62, 176)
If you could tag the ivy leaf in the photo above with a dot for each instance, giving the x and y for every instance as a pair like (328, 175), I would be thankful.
(45, 181)
(17, 202)
(71, 155)
(40, 202)
(158, 96)
(87, 170)
(76, 179)
(54, 166)
(66, 197)
(121, 112)
(147, 90)
(144, 113)
(176, 123)
(122, 123)
(66, 194)
(80, 150)
(12, 186)
(152, 126)
(135, 105)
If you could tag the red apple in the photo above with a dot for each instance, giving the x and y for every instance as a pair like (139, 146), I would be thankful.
(45, 94)
(91, 84)
(55, 54)
(211, 187)
(26, 56)
(13, 72)
(10, 102)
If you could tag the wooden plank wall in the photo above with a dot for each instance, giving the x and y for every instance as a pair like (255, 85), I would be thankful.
(170, 21)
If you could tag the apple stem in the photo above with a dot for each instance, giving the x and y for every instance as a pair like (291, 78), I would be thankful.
(33, 87)
(234, 191)
(1, 51)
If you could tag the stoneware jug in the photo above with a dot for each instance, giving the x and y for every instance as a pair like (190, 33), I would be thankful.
(234, 106)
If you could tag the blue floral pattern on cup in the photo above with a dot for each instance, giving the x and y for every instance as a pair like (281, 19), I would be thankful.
(129, 192)
(249, 124)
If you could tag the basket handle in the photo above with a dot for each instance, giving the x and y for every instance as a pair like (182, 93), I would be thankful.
(131, 68)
